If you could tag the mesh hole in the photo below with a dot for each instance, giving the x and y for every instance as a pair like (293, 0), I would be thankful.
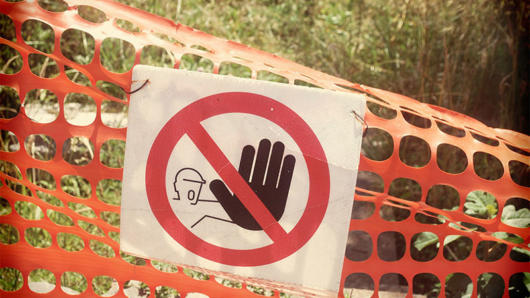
(43, 66)
(8, 141)
(370, 181)
(91, 14)
(305, 84)
(487, 166)
(115, 236)
(457, 248)
(111, 89)
(127, 25)
(41, 147)
(53, 5)
(466, 226)
(451, 159)
(112, 218)
(41, 281)
(38, 237)
(195, 63)
(195, 274)
(414, 152)
(38, 35)
(41, 105)
(132, 259)
(12, 279)
(105, 286)
(28, 210)
(8, 28)
(451, 130)
(362, 209)
(490, 251)
(520, 254)
(9, 101)
(485, 140)
(164, 267)
(76, 186)
(82, 209)
(458, 285)
(377, 144)
(443, 197)
(41, 178)
(424, 246)
(70, 242)
(77, 76)
(272, 77)
(112, 153)
(358, 285)
(416, 120)
(59, 218)
(8, 234)
(117, 55)
(481, 204)
(50, 199)
(516, 213)
(490, 285)
(518, 285)
(5, 207)
(114, 114)
(79, 109)
(391, 246)
(517, 150)
(165, 291)
(78, 151)
(520, 173)
(73, 283)
(258, 290)
(77, 46)
(393, 285)
(359, 246)
(406, 189)
(101, 249)
(426, 284)
(19, 188)
(391, 213)
(381, 111)
(167, 38)
(156, 56)
(10, 60)
(90, 228)
(109, 191)
(229, 283)
(10, 169)
(136, 288)
(235, 69)
(201, 48)
(429, 218)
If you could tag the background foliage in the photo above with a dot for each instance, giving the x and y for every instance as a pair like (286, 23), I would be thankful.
(469, 56)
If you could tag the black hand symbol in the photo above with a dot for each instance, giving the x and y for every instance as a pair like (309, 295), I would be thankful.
(272, 192)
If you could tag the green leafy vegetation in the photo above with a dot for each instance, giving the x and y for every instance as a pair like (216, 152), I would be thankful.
(467, 56)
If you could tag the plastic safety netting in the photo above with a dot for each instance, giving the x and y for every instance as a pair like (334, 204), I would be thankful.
(441, 205)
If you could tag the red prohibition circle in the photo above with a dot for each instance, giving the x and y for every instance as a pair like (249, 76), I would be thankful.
(239, 102)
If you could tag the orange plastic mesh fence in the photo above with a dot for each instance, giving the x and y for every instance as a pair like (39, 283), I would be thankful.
(440, 201)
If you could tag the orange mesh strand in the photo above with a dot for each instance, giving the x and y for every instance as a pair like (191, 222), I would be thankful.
(26, 258)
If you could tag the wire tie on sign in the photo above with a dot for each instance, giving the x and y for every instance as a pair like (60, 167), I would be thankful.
(137, 89)
(361, 120)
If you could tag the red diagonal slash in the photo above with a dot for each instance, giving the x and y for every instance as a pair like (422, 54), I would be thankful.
(235, 182)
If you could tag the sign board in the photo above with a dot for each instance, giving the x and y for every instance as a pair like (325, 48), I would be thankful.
(249, 178)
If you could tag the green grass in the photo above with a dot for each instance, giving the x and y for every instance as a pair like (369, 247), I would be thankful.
(462, 57)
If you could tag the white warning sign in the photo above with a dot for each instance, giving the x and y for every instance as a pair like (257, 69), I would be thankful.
(240, 176)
